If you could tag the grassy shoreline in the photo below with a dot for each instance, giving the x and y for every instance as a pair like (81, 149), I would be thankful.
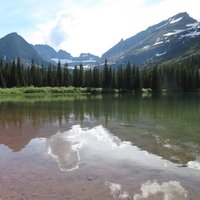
(31, 90)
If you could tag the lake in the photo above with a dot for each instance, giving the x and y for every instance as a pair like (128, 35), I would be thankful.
(100, 147)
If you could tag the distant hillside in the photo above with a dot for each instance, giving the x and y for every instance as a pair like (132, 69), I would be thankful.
(175, 37)
(13, 46)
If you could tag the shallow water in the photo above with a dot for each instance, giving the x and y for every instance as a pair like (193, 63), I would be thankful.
(100, 147)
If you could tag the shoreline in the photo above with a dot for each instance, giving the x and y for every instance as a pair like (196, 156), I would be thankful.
(31, 90)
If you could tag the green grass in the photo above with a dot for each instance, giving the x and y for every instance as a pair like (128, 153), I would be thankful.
(49, 90)
(45, 91)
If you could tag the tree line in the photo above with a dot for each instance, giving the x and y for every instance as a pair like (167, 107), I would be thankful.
(183, 76)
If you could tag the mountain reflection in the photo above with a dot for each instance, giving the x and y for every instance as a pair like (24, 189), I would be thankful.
(167, 126)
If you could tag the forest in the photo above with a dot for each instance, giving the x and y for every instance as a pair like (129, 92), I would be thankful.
(178, 76)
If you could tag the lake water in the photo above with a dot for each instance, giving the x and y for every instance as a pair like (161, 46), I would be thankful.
(100, 147)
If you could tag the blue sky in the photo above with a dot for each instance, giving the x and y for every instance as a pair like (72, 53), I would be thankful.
(86, 25)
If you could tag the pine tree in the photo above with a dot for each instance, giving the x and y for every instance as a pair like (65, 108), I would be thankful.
(128, 77)
(66, 78)
(33, 72)
(155, 82)
(59, 75)
(120, 78)
(2, 80)
(81, 76)
(137, 86)
(49, 76)
(96, 77)
(14, 80)
(106, 83)
(75, 76)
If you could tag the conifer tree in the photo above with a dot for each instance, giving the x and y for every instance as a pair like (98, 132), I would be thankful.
(14, 80)
(59, 75)
(81, 76)
(155, 83)
(2, 80)
(106, 83)
(128, 77)
(75, 76)
(66, 78)
(49, 76)
(96, 77)
(137, 86)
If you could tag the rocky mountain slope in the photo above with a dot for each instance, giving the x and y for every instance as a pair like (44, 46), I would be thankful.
(13, 46)
(171, 39)
(175, 37)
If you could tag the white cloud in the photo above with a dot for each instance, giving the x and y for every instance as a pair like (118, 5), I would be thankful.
(96, 27)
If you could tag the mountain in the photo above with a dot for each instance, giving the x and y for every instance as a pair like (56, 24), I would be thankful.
(45, 51)
(63, 55)
(173, 38)
(13, 46)
(86, 59)
(48, 54)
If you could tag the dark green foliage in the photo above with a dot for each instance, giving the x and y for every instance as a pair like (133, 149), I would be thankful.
(75, 76)
(80, 76)
(137, 85)
(59, 75)
(184, 76)
(107, 74)
(155, 79)
(66, 78)
(128, 77)
(2, 80)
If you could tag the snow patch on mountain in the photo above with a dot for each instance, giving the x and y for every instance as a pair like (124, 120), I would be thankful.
(69, 61)
(157, 43)
(172, 21)
(173, 33)
(146, 47)
(62, 61)
(192, 34)
(160, 54)
(194, 25)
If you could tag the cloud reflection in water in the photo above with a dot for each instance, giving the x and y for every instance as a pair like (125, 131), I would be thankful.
(63, 150)
(97, 142)
(150, 190)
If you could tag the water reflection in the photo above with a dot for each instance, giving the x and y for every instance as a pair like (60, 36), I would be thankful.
(64, 151)
(100, 144)
(166, 126)
(107, 147)
(150, 190)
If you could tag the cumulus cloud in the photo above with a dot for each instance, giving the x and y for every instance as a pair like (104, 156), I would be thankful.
(95, 26)
(59, 32)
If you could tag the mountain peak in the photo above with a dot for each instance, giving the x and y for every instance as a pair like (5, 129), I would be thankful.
(13, 34)
(13, 46)
(158, 41)
(183, 17)
(63, 54)
(182, 14)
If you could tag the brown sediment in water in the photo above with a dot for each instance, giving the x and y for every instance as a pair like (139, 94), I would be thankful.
(41, 156)
(33, 174)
